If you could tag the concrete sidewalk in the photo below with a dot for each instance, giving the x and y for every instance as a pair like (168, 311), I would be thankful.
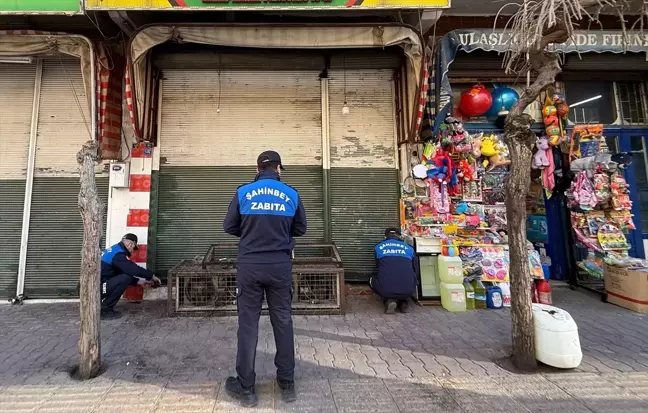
(426, 361)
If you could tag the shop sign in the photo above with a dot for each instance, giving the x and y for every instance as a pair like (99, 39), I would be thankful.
(261, 4)
(469, 40)
(40, 6)
(581, 41)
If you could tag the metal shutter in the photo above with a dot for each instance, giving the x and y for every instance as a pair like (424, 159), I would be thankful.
(56, 229)
(364, 178)
(16, 101)
(206, 155)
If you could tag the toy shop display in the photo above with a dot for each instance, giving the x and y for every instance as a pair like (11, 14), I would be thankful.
(461, 205)
(601, 209)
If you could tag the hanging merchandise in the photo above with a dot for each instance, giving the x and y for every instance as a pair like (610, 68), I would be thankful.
(554, 119)
(601, 209)
(581, 194)
(620, 197)
(475, 101)
(541, 158)
(503, 100)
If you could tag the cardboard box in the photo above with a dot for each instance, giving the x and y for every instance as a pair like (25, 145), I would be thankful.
(627, 287)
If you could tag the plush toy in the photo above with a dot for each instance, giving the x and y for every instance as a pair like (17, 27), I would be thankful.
(540, 160)
(465, 171)
(462, 208)
(553, 124)
(476, 143)
(489, 146)
(561, 106)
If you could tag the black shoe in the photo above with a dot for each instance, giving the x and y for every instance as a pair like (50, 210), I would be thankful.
(390, 306)
(110, 314)
(287, 387)
(247, 397)
(403, 306)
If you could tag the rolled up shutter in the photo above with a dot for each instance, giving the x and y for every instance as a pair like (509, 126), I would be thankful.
(364, 178)
(16, 100)
(56, 228)
(213, 126)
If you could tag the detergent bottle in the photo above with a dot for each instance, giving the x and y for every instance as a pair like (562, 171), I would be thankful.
(480, 294)
(470, 295)
(544, 291)
(506, 293)
(494, 299)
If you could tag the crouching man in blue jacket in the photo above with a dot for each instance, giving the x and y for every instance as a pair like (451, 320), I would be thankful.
(118, 272)
(396, 280)
(265, 214)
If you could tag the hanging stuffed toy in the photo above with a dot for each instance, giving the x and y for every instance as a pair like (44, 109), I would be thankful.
(553, 118)
(540, 158)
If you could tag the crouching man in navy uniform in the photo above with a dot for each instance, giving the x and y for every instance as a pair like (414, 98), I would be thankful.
(266, 214)
(397, 268)
(118, 272)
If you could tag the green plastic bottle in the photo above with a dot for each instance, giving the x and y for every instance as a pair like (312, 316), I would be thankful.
(480, 294)
(470, 295)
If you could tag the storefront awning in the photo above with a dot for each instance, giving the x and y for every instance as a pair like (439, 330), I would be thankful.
(496, 40)
(278, 37)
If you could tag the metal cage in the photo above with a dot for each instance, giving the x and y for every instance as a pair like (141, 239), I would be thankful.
(207, 285)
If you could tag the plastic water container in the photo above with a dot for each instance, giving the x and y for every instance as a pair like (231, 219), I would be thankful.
(450, 270)
(453, 297)
(556, 337)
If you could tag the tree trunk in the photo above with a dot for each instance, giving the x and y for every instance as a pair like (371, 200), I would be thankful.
(520, 140)
(91, 209)
(517, 187)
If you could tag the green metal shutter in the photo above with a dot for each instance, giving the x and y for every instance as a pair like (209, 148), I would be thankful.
(206, 154)
(363, 175)
(56, 228)
(56, 237)
(16, 101)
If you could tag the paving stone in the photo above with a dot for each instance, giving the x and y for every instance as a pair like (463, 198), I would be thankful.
(153, 363)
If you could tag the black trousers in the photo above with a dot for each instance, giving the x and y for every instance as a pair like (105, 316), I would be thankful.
(376, 288)
(113, 289)
(275, 280)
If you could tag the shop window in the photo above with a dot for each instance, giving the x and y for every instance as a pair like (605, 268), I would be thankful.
(632, 100)
(535, 109)
(591, 102)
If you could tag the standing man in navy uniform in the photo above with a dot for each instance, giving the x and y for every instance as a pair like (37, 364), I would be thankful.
(266, 214)
(397, 268)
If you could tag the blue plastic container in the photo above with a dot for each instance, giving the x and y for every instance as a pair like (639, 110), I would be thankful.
(546, 269)
(494, 298)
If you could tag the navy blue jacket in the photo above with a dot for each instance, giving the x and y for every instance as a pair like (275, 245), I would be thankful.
(397, 269)
(114, 261)
(266, 214)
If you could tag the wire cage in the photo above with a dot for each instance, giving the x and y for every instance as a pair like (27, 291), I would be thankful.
(207, 285)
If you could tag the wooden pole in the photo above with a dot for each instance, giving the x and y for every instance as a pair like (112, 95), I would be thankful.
(91, 209)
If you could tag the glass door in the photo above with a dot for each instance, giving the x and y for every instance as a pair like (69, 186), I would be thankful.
(634, 141)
